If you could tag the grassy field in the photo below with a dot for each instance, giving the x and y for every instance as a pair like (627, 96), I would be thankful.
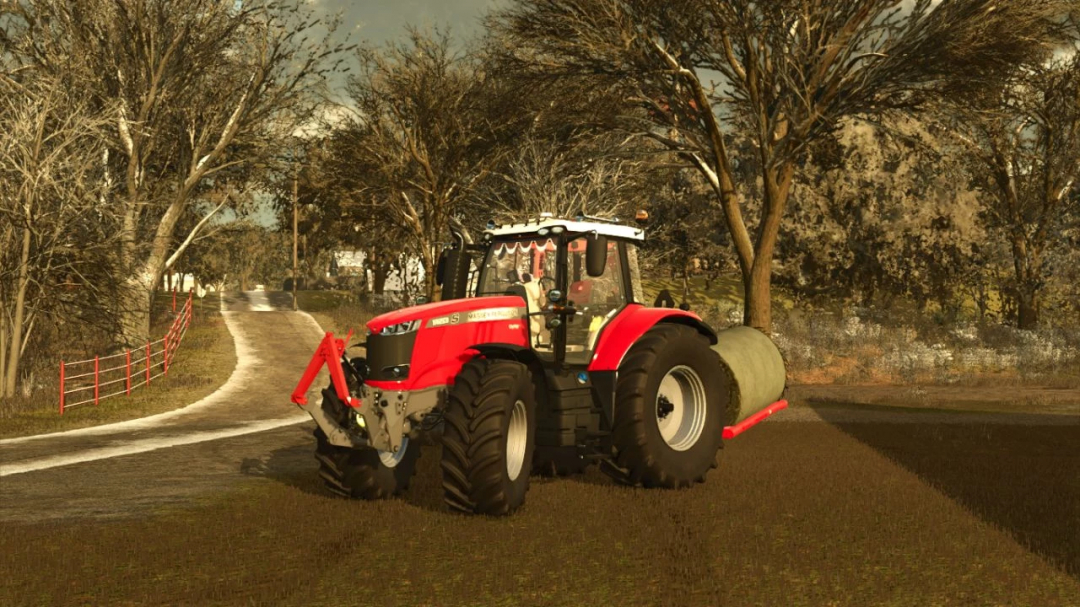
(798, 514)
(203, 363)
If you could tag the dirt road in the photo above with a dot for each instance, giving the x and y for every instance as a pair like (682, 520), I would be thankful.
(818, 506)
(109, 469)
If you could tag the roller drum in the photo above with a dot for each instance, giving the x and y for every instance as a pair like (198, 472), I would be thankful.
(756, 376)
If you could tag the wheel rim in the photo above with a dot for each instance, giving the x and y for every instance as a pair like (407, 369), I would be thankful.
(680, 408)
(517, 435)
(391, 459)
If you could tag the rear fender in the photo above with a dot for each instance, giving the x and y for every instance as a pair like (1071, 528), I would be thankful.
(626, 328)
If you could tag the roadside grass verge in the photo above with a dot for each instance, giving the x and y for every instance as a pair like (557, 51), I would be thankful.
(336, 311)
(202, 364)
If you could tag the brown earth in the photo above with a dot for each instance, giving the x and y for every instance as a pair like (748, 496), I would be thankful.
(821, 505)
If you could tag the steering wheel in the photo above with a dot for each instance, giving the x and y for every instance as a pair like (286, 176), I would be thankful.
(541, 280)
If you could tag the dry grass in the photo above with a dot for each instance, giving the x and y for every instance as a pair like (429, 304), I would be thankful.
(338, 312)
(798, 514)
(202, 364)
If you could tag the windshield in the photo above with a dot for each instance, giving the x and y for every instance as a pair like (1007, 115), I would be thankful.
(519, 262)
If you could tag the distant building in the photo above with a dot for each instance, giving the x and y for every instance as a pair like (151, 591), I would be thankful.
(351, 263)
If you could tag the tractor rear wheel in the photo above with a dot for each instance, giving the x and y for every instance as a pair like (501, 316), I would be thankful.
(669, 410)
(489, 436)
(366, 474)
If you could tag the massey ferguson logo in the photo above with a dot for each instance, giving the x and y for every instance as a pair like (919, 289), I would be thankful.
(476, 316)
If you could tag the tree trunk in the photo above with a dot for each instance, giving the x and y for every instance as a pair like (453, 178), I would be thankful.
(757, 305)
(685, 281)
(757, 283)
(1026, 267)
(3, 344)
(1027, 303)
(7, 389)
(380, 270)
(428, 261)
(134, 314)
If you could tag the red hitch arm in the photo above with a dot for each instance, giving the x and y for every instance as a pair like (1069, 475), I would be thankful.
(733, 431)
(329, 352)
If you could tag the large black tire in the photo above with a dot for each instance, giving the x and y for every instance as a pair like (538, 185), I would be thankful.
(362, 473)
(479, 439)
(641, 456)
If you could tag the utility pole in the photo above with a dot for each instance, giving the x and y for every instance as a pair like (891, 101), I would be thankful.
(295, 237)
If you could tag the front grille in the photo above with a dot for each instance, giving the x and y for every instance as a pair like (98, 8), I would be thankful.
(388, 356)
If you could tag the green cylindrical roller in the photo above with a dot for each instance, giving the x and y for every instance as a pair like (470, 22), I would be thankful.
(756, 372)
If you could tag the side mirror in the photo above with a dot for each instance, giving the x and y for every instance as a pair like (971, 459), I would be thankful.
(554, 295)
(596, 255)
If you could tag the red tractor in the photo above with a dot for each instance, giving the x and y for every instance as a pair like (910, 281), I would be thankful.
(545, 360)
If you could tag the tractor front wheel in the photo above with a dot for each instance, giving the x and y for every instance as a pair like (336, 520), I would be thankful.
(489, 436)
(363, 473)
(669, 411)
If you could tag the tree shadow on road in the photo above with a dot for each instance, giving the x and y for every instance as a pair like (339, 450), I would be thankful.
(1020, 478)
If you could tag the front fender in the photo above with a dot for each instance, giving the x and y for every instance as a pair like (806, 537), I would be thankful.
(620, 334)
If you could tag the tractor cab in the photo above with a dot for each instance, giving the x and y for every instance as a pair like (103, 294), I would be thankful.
(575, 276)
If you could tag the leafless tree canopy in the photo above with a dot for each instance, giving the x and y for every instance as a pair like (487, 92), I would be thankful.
(197, 93)
(55, 249)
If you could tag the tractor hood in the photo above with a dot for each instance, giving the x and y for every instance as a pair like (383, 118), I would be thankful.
(416, 317)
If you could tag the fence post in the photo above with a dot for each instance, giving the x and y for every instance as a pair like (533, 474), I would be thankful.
(61, 387)
(148, 362)
(165, 354)
(174, 299)
(127, 367)
(96, 381)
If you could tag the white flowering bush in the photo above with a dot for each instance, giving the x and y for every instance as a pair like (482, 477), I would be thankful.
(850, 348)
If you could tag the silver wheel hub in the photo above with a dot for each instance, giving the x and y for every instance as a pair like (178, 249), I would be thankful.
(517, 436)
(680, 408)
(391, 459)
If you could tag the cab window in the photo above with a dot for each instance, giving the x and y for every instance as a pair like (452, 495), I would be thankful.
(597, 299)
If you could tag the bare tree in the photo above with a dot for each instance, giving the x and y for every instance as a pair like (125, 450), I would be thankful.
(426, 133)
(1024, 145)
(786, 72)
(201, 89)
(50, 188)
(581, 175)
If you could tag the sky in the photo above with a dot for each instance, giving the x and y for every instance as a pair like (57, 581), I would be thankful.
(377, 21)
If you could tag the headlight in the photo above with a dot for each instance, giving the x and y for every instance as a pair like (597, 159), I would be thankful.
(400, 328)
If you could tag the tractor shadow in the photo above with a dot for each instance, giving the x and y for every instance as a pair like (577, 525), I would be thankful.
(295, 466)
(1017, 476)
